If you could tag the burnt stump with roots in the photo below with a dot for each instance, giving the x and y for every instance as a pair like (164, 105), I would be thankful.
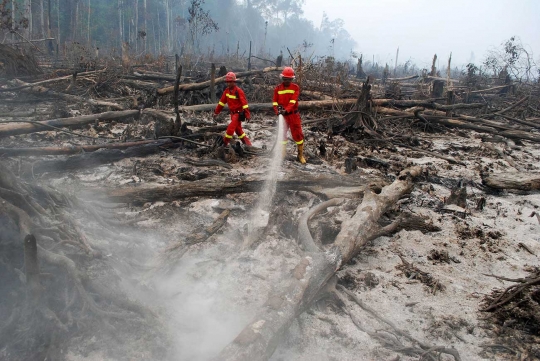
(48, 296)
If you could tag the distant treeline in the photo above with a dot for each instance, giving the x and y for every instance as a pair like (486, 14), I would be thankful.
(219, 27)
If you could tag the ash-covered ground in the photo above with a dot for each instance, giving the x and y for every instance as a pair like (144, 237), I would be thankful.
(204, 287)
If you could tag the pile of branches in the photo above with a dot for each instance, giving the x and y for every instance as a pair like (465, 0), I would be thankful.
(514, 315)
(16, 62)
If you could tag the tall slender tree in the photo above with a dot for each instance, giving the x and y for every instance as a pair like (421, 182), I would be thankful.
(120, 26)
(88, 27)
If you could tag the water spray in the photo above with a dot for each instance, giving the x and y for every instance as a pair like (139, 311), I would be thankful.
(261, 214)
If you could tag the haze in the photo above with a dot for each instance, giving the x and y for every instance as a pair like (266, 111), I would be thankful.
(421, 28)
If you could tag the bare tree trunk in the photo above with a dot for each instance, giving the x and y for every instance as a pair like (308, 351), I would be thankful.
(88, 27)
(168, 23)
(159, 31)
(155, 37)
(395, 66)
(136, 26)
(13, 20)
(48, 19)
(213, 84)
(76, 24)
(145, 27)
(27, 13)
(58, 23)
(120, 29)
(42, 18)
(72, 28)
(433, 67)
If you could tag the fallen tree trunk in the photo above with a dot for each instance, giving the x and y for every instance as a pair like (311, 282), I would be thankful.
(431, 77)
(335, 186)
(147, 76)
(520, 121)
(253, 107)
(402, 79)
(74, 149)
(39, 90)
(510, 133)
(259, 338)
(463, 123)
(15, 128)
(95, 159)
(520, 181)
(206, 84)
(490, 89)
(303, 105)
(48, 81)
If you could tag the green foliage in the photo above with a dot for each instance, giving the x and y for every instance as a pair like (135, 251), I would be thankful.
(513, 58)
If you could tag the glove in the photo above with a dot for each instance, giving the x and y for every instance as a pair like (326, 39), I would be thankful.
(281, 110)
(214, 116)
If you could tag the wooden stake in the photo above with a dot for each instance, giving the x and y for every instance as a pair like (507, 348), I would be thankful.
(31, 265)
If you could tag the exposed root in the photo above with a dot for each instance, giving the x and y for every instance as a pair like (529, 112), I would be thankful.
(304, 235)
(391, 340)
(44, 313)
(412, 272)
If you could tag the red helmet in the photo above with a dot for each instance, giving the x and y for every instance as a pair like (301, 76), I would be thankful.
(230, 76)
(288, 72)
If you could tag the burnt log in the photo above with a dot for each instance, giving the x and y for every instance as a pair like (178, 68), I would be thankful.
(49, 81)
(324, 186)
(98, 158)
(328, 103)
(74, 149)
(464, 122)
(15, 128)
(31, 266)
(519, 181)
(259, 338)
(39, 90)
(206, 84)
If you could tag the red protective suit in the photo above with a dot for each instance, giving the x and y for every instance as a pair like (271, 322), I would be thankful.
(236, 99)
(287, 97)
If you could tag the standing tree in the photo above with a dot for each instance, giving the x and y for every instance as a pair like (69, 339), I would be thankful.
(200, 23)
(513, 58)
(278, 11)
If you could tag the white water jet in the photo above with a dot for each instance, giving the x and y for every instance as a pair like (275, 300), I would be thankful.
(261, 213)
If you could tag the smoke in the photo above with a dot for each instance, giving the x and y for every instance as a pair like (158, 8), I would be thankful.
(199, 297)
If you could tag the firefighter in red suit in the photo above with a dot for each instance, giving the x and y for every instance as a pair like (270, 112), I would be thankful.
(238, 108)
(285, 102)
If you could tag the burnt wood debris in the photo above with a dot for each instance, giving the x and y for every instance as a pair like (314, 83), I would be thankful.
(59, 120)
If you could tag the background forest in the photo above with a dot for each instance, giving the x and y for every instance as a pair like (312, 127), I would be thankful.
(82, 30)
(216, 27)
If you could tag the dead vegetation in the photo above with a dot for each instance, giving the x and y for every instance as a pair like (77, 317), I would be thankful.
(103, 148)
(513, 315)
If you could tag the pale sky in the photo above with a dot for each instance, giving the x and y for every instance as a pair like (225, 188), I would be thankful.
(421, 28)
